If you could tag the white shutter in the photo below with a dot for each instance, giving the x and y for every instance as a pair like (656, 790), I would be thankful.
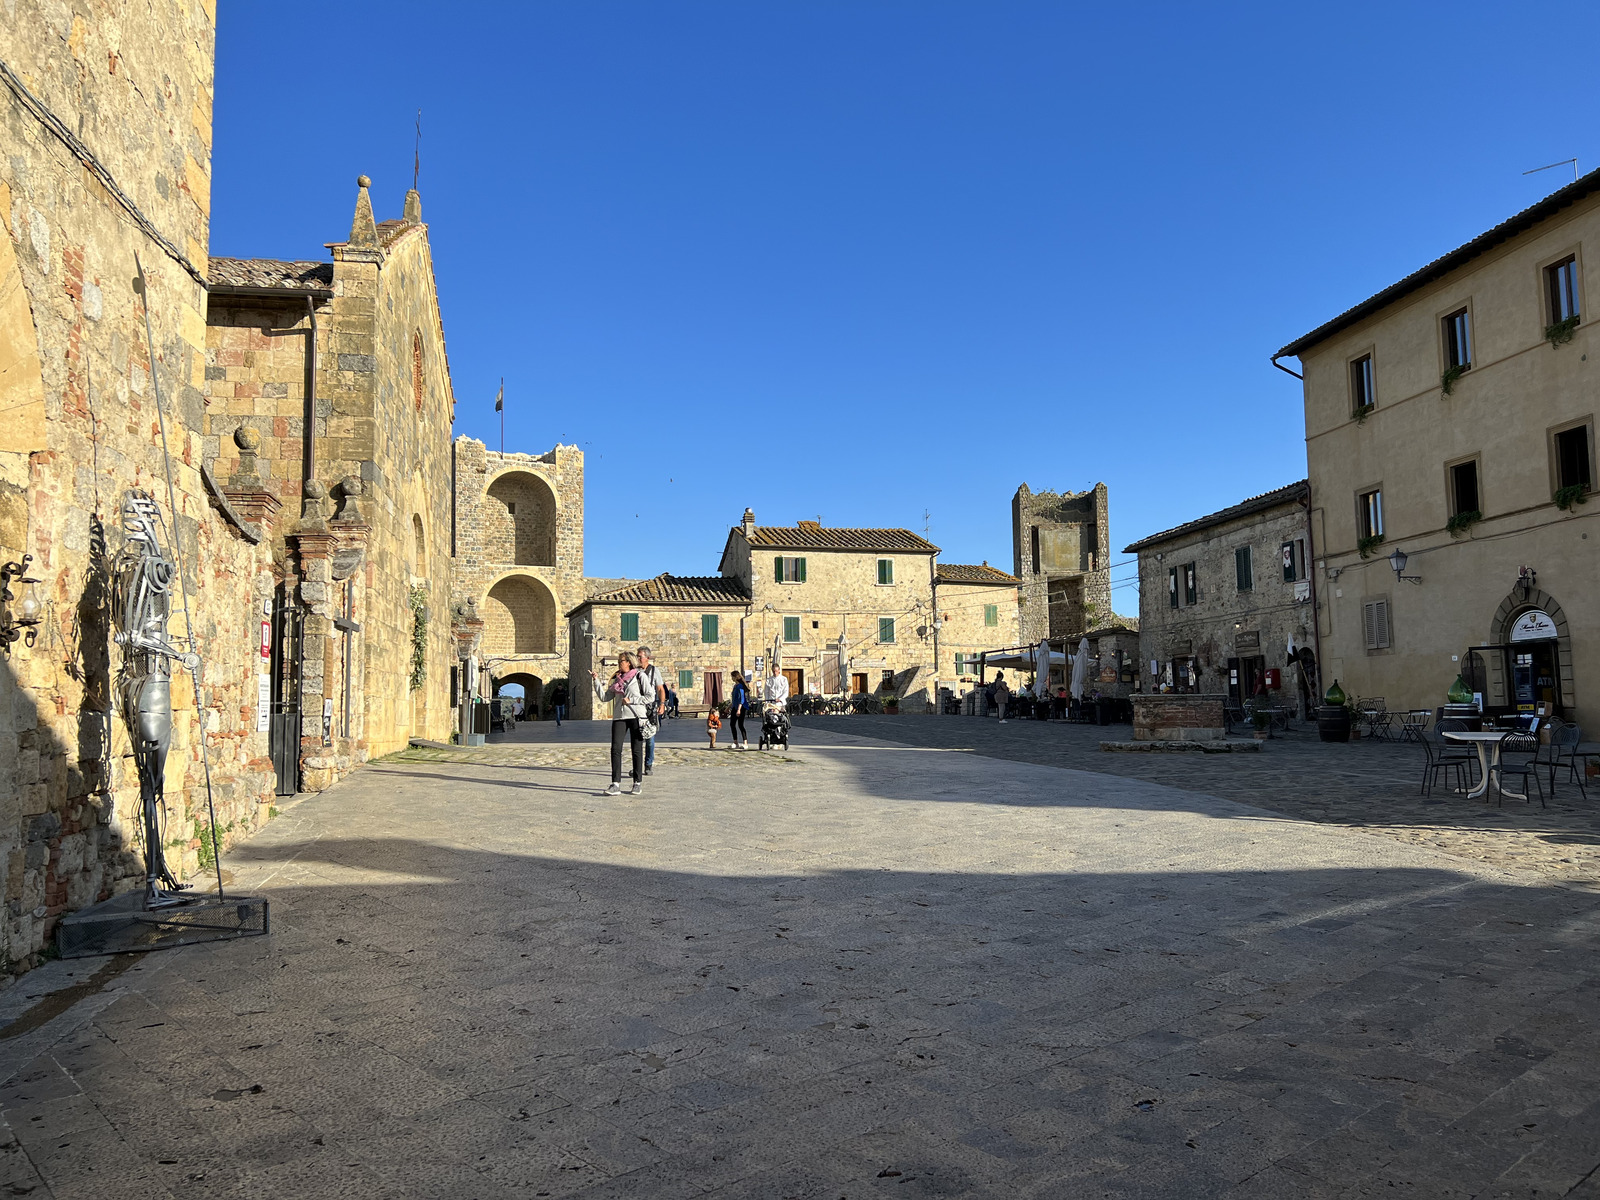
(1375, 629)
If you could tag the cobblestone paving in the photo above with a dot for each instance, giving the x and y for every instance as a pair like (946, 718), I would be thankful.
(860, 969)
(1373, 786)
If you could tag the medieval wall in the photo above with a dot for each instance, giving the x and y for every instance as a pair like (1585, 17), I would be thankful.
(78, 428)
(1061, 551)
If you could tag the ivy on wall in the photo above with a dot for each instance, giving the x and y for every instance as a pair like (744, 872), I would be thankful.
(419, 637)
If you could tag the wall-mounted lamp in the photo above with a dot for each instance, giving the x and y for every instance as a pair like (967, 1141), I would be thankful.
(30, 609)
(1398, 561)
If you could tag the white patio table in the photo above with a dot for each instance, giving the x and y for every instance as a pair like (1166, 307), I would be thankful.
(1488, 744)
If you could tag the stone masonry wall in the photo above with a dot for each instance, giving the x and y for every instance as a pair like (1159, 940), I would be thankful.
(674, 637)
(1074, 551)
(964, 631)
(78, 390)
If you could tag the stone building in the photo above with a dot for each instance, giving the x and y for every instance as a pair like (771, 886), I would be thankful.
(105, 159)
(1450, 418)
(1059, 550)
(694, 626)
(838, 609)
(518, 545)
(979, 611)
(328, 381)
(1221, 597)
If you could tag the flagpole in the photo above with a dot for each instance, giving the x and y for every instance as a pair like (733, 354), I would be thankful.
(502, 407)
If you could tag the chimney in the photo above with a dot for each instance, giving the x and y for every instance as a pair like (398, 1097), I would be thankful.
(748, 524)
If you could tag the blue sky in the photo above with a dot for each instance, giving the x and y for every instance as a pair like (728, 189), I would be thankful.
(864, 261)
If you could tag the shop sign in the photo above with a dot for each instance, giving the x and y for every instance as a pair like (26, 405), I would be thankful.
(1533, 626)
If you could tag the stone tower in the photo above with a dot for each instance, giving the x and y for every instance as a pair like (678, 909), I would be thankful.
(1060, 550)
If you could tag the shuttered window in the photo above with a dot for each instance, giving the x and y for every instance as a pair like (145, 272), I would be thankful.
(1375, 627)
(961, 664)
(886, 570)
(791, 629)
(1172, 586)
(685, 681)
(788, 570)
(991, 614)
(708, 628)
(630, 627)
(1242, 569)
(1191, 589)
(886, 629)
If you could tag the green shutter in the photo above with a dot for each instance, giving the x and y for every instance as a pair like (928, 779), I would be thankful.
(886, 570)
(886, 629)
(799, 570)
(791, 629)
(708, 628)
(630, 627)
(961, 664)
(991, 614)
(685, 681)
(777, 570)
(1241, 568)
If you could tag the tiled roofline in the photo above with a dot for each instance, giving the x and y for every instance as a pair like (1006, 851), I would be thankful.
(1294, 493)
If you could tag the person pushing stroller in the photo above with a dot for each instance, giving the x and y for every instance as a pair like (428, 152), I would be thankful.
(774, 711)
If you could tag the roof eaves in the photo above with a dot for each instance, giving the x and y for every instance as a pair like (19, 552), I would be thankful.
(1293, 493)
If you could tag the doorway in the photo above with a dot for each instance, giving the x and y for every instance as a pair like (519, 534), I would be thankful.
(858, 684)
(797, 680)
(1534, 669)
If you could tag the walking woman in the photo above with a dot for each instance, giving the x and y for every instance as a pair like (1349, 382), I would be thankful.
(628, 697)
(738, 706)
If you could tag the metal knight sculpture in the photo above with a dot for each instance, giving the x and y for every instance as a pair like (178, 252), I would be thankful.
(144, 575)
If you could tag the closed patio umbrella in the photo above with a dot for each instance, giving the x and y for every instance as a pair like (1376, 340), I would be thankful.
(1080, 669)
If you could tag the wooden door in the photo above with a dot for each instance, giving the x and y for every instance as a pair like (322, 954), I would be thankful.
(796, 678)
(858, 684)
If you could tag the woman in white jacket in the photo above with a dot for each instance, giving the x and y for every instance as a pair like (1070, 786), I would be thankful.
(629, 698)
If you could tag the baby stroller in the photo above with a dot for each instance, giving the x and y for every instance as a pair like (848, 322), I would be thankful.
(774, 727)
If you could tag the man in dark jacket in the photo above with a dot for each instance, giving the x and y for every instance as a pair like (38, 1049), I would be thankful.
(558, 701)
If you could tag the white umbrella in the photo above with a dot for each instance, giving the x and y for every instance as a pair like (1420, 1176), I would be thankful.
(1080, 669)
(1041, 669)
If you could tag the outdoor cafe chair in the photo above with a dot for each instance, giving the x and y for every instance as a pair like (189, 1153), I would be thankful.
(1440, 758)
(1414, 724)
(1562, 752)
(1527, 767)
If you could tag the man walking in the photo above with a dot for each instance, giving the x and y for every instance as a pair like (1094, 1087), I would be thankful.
(558, 700)
(650, 680)
(775, 691)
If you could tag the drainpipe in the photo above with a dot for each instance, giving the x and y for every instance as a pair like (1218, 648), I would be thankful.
(311, 393)
(1285, 369)
(933, 588)
(1311, 575)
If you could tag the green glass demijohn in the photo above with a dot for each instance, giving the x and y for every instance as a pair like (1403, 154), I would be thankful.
(1459, 693)
(1336, 694)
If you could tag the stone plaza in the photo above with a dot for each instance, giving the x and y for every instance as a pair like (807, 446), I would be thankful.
(908, 957)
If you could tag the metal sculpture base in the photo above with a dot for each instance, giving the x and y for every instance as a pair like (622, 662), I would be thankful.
(125, 924)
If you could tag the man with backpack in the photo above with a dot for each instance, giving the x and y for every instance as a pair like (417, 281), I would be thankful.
(650, 679)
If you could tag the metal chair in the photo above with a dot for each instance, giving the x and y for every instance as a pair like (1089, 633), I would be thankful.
(1440, 758)
(1528, 768)
(1562, 752)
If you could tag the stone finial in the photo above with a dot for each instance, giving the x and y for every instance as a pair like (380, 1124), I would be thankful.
(312, 518)
(364, 229)
(413, 207)
(350, 489)
(248, 441)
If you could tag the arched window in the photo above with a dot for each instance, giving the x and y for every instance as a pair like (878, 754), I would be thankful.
(416, 369)
(419, 548)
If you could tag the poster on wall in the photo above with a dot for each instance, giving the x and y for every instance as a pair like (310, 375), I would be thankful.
(263, 703)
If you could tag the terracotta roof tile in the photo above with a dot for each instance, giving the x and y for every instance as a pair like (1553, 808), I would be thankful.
(677, 589)
(271, 273)
(1284, 495)
(809, 535)
(968, 573)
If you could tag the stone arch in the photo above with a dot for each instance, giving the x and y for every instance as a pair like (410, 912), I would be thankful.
(417, 383)
(532, 689)
(519, 523)
(1515, 605)
(419, 548)
(519, 616)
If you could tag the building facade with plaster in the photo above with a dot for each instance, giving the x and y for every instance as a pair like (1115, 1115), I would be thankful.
(979, 611)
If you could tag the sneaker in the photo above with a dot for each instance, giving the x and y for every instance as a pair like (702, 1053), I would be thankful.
(614, 790)
(638, 788)
(647, 770)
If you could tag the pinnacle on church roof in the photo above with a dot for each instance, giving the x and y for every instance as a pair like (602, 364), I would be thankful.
(363, 229)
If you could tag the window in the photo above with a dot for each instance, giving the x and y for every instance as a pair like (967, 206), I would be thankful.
(991, 614)
(788, 570)
(1561, 283)
(791, 629)
(1191, 593)
(1375, 625)
(685, 681)
(1242, 569)
(886, 630)
(888, 681)
(1172, 586)
(1572, 458)
(1458, 339)
(1294, 560)
(1464, 488)
(630, 627)
(1369, 513)
(886, 571)
(708, 628)
(1033, 545)
(1362, 393)
(964, 664)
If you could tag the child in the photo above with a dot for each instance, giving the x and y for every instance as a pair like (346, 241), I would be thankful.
(713, 723)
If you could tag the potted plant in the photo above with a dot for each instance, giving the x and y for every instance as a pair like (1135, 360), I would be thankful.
(891, 704)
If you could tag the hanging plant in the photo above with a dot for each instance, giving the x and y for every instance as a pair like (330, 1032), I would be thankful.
(1571, 496)
(419, 637)
(1363, 412)
(1463, 521)
(1447, 381)
(1365, 546)
(1561, 332)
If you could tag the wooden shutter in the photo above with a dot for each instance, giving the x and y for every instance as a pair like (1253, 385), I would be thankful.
(777, 569)
(708, 628)
(1375, 625)
(630, 627)
(991, 614)
(886, 629)
(791, 629)
(685, 681)
(1241, 568)
(799, 570)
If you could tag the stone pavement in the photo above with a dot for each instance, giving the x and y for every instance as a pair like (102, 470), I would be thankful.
(856, 969)
(1360, 785)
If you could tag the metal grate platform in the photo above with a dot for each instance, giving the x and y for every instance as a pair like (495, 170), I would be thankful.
(122, 924)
